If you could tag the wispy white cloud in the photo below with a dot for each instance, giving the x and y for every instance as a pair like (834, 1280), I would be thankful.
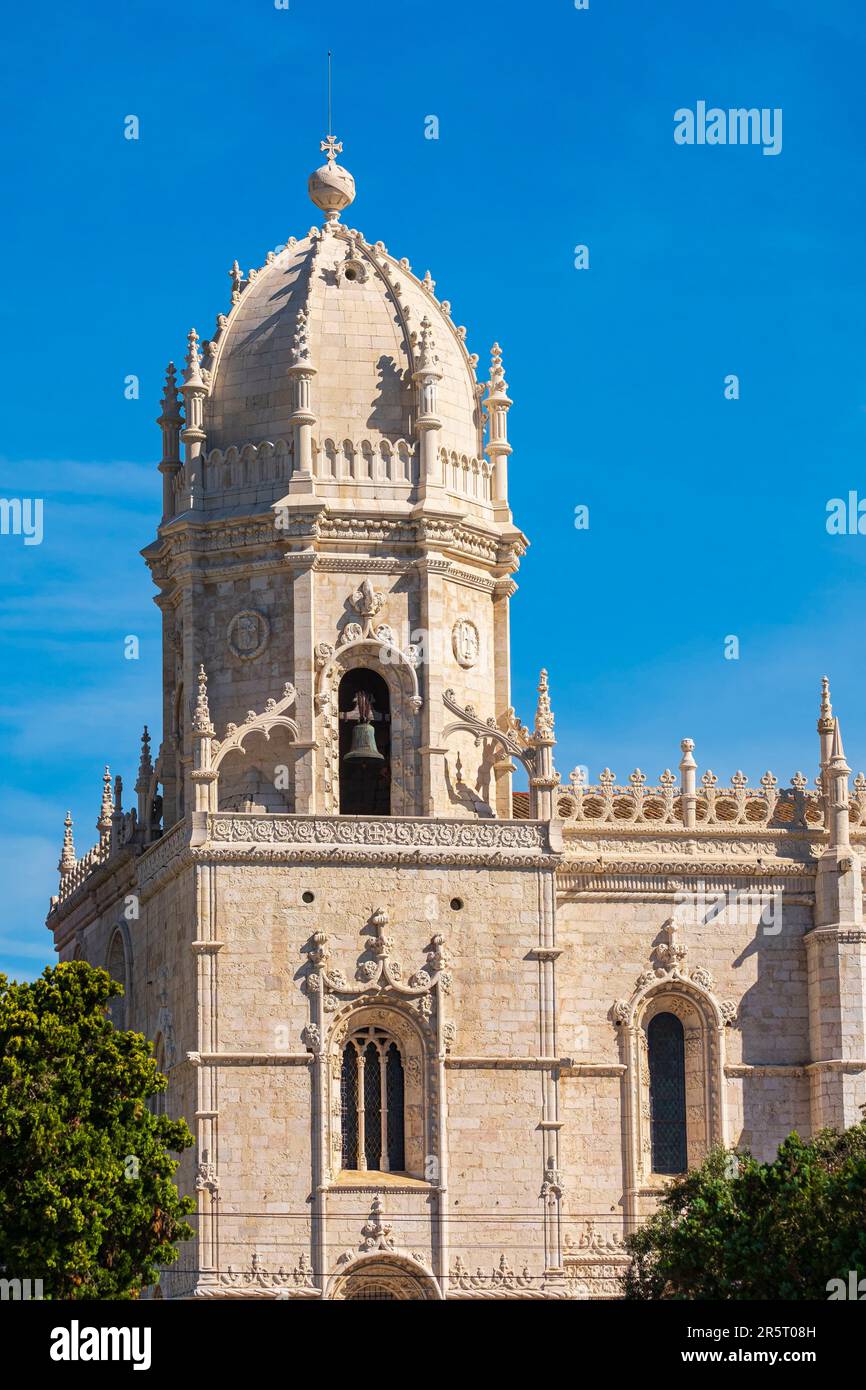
(116, 479)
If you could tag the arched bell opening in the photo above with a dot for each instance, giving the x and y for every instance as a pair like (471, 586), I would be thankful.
(259, 775)
(365, 744)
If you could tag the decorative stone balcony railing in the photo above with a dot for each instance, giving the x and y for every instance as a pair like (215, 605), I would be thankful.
(795, 807)
(334, 461)
(468, 477)
(348, 461)
(249, 466)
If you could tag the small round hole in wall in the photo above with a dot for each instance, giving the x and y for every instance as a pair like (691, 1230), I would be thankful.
(351, 274)
(456, 904)
(308, 897)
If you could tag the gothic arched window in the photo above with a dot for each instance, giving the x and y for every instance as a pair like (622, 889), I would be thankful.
(667, 1092)
(371, 1103)
(116, 965)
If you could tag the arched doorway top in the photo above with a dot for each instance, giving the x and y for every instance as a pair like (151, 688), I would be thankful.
(392, 1276)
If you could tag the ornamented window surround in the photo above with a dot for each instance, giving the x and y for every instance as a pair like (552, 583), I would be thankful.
(669, 988)
(700, 1135)
(412, 1012)
(410, 1046)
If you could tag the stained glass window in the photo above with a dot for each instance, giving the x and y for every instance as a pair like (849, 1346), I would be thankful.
(667, 1086)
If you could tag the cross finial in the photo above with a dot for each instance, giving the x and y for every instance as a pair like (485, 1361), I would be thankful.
(331, 147)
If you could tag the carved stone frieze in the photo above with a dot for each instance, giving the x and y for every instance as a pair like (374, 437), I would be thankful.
(259, 1279)
(500, 1282)
(248, 828)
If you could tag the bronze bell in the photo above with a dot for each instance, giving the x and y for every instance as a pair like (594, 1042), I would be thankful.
(364, 745)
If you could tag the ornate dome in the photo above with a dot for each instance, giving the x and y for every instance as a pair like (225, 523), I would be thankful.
(364, 316)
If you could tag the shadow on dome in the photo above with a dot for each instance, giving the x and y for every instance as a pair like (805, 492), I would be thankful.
(390, 414)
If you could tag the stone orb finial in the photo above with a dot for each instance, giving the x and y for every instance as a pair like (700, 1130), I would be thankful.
(331, 188)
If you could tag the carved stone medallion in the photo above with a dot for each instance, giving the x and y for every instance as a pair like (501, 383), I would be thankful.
(465, 642)
(248, 634)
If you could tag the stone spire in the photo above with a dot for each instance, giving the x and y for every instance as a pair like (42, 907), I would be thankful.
(543, 713)
(145, 763)
(204, 776)
(428, 360)
(544, 778)
(106, 811)
(117, 814)
(303, 418)
(170, 422)
(171, 419)
(426, 376)
(826, 731)
(496, 407)
(837, 774)
(67, 855)
(834, 953)
(201, 718)
(193, 436)
(826, 713)
(301, 341)
(192, 372)
(143, 783)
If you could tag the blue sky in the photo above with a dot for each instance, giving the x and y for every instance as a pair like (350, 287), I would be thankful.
(707, 516)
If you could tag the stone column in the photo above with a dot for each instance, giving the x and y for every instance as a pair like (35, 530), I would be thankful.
(431, 614)
(496, 407)
(503, 768)
(304, 677)
(427, 423)
(688, 794)
(544, 780)
(205, 948)
(303, 419)
(193, 436)
(170, 422)
(203, 778)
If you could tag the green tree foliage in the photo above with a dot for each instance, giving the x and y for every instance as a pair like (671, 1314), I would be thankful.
(739, 1229)
(87, 1201)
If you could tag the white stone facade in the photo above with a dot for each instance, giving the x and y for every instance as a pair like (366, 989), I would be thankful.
(340, 516)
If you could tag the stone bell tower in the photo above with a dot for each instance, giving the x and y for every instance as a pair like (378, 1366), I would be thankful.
(339, 521)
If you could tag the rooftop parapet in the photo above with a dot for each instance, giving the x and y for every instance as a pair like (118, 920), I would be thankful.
(797, 806)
